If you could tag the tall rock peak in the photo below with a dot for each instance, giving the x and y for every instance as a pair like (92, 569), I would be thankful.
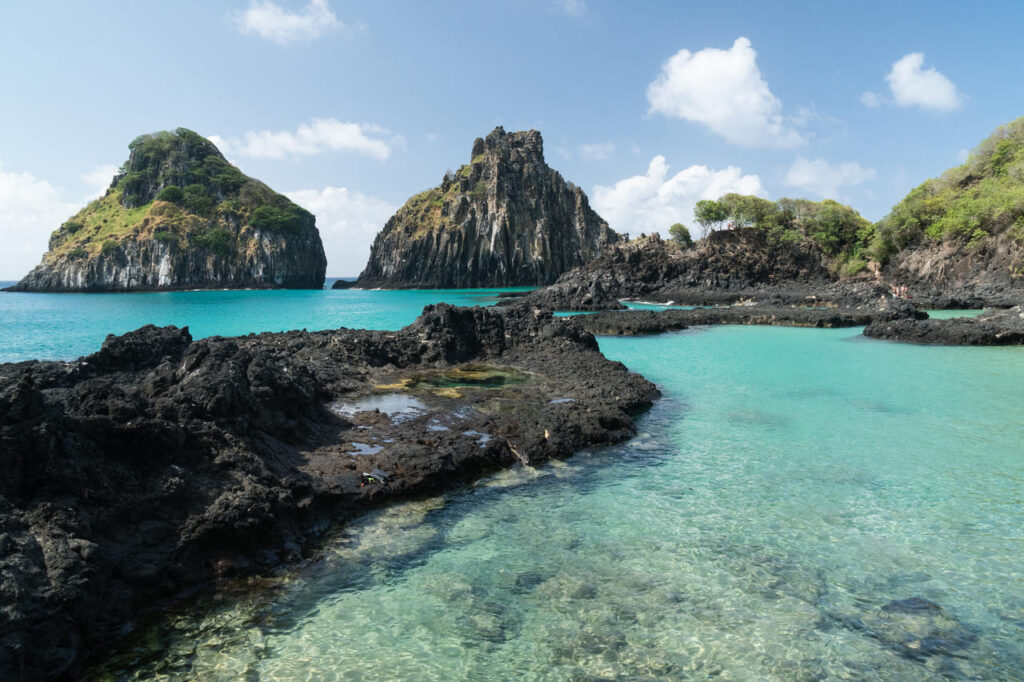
(503, 219)
(177, 215)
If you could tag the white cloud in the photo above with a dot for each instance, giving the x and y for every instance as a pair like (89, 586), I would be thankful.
(872, 100)
(319, 136)
(598, 151)
(824, 179)
(348, 221)
(723, 90)
(963, 155)
(30, 209)
(653, 201)
(574, 8)
(912, 85)
(272, 22)
(99, 179)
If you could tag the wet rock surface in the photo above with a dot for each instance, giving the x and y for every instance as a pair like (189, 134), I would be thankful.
(159, 463)
(992, 328)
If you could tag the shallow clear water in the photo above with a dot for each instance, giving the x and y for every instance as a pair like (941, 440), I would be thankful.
(948, 314)
(792, 486)
(66, 326)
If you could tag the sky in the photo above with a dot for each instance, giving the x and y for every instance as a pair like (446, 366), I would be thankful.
(351, 107)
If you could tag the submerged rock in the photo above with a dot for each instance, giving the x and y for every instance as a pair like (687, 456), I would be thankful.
(179, 216)
(504, 219)
(160, 463)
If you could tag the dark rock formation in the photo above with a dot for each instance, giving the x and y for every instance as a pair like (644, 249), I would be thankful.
(993, 328)
(728, 264)
(640, 322)
(160, 463)
(505, 219)
(179, 216)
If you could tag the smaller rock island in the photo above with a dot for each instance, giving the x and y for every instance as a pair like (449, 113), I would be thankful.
(504, 219)
(178, 215)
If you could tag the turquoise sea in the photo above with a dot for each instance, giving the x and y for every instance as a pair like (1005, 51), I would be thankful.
(802, 504)
(67, 326)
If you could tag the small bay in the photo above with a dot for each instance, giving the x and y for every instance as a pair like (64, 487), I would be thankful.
(802, 504)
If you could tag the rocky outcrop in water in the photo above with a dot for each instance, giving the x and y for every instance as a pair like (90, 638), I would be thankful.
(160, 463)
(179, 216)
(641, 322)
(504, 219)
(992, 328)
(726, 266)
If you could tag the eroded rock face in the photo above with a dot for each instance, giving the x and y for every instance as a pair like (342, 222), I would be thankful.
(504, 219)
(179, 216)
(159, 462)
(949, 275)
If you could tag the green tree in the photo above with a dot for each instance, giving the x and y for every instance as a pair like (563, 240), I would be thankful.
(680, 234)
(709, 215)
(746, 210)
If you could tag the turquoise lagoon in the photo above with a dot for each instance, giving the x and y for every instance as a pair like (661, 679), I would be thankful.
(782, 502)
(67, 326)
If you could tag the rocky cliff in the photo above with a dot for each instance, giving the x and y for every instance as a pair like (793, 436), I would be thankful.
(179, 216)
(504, 219)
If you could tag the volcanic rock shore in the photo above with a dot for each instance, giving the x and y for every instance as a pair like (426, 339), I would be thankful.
(992, 328)
(641, 322)
(160, 463)
(743, 265)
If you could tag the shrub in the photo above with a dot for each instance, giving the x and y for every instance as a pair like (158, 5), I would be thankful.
(197, 199)
(71, 227)
(108, 246)
(854, 265)
(479, 190)
(164, 235)
(278, 215)
(77, 253)
(173, 194)
(977, 238)
(680, 234)
(218, 240)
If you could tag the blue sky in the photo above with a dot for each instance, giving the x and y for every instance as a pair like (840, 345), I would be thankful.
(352, 107)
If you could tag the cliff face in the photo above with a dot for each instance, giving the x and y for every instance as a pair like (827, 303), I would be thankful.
(179, 216)
(505, 219)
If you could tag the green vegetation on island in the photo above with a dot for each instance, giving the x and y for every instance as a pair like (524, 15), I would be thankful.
(176, 187)
(968, 204)
(840, 231)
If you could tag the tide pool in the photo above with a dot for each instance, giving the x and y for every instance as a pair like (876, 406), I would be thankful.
(802, 505)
